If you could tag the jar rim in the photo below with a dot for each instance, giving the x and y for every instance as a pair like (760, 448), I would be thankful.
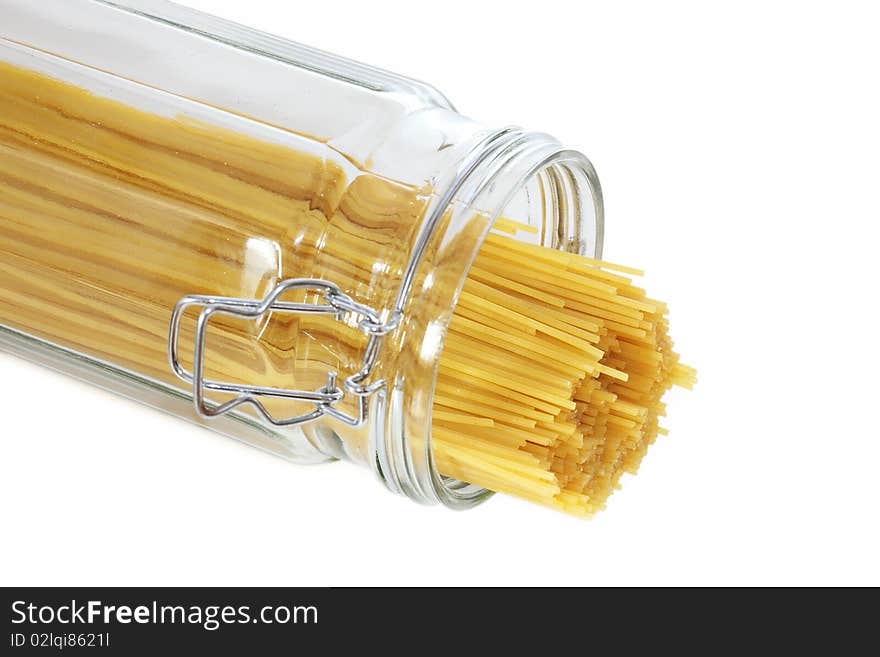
(489, 177)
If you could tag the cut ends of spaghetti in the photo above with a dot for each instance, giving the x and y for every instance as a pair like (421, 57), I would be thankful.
(551, 382)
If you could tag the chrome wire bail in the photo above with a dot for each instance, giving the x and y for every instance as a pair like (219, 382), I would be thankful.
(324, 399)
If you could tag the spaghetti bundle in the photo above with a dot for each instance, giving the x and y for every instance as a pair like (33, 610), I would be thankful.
(554, 366)
(552, 375)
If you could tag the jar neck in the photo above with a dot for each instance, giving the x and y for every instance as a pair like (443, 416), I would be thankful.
(554, 190)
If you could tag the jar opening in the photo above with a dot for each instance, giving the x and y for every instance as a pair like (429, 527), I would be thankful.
(520, 176)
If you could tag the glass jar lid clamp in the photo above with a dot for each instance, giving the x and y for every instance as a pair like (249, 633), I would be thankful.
(325, 398)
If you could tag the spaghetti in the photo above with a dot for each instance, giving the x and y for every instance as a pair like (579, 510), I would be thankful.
(554, 366)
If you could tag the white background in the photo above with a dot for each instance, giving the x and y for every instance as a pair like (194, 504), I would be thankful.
(738, 148)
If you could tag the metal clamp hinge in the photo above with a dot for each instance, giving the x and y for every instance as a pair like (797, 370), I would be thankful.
(325, 398)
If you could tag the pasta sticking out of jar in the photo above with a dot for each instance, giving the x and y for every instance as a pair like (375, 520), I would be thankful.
(319, 258)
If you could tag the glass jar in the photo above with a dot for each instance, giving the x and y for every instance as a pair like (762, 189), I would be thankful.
(251, 234)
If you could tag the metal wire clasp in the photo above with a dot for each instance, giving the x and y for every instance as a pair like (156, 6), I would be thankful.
(324, 399)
